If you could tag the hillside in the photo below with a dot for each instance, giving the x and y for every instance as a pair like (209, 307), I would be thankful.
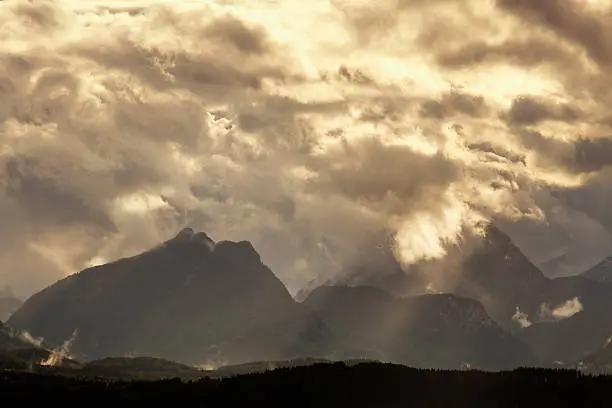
(495, 272)
(602, 272)
(442, 331)
(189, 300)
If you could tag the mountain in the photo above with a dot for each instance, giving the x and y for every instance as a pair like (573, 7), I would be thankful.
(189, 300)
(515, 293)
(8, 303)
(439, 331)
(602, 272)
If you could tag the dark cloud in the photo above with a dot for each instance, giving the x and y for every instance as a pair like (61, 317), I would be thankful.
(499, 152)
(530, 111)
(45, 201)
(530, 52)
(454, 103)
(230, 30)
(593, 198)
(583, 155)
(355, 76)
(592, 155)
(568, 21)
(371, 172)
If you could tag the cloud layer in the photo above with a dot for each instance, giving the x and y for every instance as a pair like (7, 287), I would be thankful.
(308, 130)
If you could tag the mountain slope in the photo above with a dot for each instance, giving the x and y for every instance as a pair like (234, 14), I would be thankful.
(599, 362)
(496, 273)
(602, 272)
(440, 331)
(188, 300)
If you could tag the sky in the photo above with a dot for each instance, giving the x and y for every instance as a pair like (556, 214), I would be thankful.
(308, 128)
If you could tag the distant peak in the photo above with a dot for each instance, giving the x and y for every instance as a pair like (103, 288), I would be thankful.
(185, 233)
(189, 236)
(203, 238)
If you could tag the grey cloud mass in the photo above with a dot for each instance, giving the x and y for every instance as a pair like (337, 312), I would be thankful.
(307, 130)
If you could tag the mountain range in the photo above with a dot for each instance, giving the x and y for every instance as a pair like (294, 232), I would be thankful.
(189, 300)
(199, 302)
(563, 319)
(434, 330)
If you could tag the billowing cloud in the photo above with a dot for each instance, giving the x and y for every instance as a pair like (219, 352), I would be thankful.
(562, 311)
(308, 130)
(521, 318)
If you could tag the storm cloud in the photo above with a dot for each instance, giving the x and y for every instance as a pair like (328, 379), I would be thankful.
(305, 129)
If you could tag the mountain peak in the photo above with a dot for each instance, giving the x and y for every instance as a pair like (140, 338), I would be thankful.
(185, 234)
(188, 299)
(188, 236)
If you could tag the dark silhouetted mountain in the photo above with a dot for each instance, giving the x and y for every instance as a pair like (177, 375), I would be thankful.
(495, 272)
(440, 331)
(189, 300)
(602, 272)
(502, 278)
(576, 336)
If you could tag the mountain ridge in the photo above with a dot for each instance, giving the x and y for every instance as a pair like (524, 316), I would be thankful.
(602, 272)
(186, 299)
(432, 330)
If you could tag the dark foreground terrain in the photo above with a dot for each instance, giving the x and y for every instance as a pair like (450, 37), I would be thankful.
(338, 385)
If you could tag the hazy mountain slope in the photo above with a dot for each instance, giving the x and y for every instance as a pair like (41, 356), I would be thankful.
(496, 273)
(8, 303)
(602, 272)
(441, 331)
(578, 335)
(188, 300)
